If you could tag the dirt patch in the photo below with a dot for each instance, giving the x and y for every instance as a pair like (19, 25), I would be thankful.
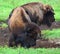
(5, 34)
(47, 43)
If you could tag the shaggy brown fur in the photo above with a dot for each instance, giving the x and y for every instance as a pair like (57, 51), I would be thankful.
(27, 38)
(29, 16)
(40, 13)
(19, 24)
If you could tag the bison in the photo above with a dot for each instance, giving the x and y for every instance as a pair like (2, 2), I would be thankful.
(23, 31)
(24, 23)
(40, 13)
(27, 38)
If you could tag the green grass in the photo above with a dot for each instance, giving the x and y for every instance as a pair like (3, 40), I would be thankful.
(54, 33)
(7, 5)
(4, 25)
(6, 50)
(5, 8)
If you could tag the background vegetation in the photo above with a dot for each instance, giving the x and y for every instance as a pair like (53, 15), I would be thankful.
(7, 5)
(5, 8)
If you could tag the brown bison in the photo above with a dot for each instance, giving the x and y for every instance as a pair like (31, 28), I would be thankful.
(23, 30)
(39, 13)
(23, 19)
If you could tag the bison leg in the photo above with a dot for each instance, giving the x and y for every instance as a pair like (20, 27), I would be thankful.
(12, 41)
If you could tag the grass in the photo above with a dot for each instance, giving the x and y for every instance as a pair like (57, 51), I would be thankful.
(7, 5)
(20, 50)
(5, 8)
(4, 25)
(54, 33)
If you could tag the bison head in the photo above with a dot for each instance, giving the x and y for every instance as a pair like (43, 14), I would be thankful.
(48, 17)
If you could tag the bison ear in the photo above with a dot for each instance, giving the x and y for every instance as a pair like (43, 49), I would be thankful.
(48, 8)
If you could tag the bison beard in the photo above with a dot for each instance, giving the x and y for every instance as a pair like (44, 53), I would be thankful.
(19, 24)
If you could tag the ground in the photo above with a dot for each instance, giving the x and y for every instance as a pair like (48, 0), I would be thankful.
(5, 34)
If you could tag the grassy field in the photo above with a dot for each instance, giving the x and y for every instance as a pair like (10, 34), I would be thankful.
(5, 8)
(6, 50)
(54, 33)
(7, 5)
